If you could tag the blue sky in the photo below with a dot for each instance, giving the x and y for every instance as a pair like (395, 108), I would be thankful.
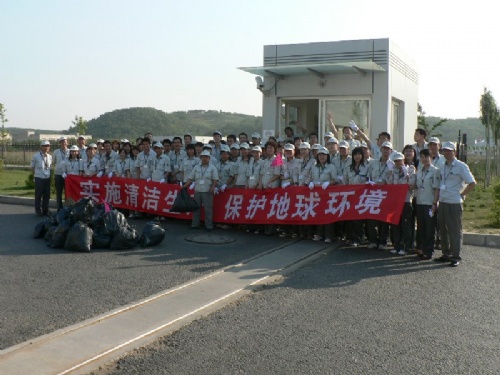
(64, 58)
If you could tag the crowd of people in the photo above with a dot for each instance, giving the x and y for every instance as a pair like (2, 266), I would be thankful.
(438, 182)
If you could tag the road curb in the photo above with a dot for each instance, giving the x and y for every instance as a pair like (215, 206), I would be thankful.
(473, 239)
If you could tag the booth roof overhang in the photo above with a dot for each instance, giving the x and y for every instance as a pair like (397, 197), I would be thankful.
(320, 70)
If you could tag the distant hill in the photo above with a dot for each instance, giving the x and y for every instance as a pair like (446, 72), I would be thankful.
(449, 130)
(134, 122)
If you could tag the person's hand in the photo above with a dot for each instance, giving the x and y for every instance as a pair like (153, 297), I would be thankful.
(340, 178)
(325, 185)
(64, 175)
(149, 179)
(370, 182)
(285, 184)
(329, 115)
(99, 174)
(353, 126)
(110, 174)
(191, 187)
(216, 191)
(311, 185)
(223, 188)
(163, 181)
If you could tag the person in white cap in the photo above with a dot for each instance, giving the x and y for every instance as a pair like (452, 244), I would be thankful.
(73, 165)
(59, 158)
(225, 170)
(290, 168)
(100, 147)
(161, 167)
(256, 163)
(332, 144)
(427, 185)
(326, 137)
(315, 147)
(145, 160)
(378, 231)
(256, 139)
(188, 139)
(306, 162)
(208, 147)
(40, 167)
(235, 152)
(402, 232)
(323, 174)
(343, 161)
(437, 158)
(242, 166)
(456, 182)
(205, 179)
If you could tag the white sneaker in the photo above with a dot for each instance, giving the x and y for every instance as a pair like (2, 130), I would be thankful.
(401, 252)
(382, 247)
(317, 238)
(328, 240)
(372, 245)
(355, 244)
(394, 251)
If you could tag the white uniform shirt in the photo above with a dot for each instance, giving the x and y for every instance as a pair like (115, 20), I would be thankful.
(60, 157)
(73, 166)
(41, 163)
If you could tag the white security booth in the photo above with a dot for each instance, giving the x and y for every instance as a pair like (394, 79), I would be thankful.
(371, 82)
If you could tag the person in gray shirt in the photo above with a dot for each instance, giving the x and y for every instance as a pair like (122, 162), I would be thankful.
(40, 166)
(454, 176)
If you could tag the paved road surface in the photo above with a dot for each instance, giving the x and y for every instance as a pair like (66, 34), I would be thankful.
(44, 289)
(354, 311)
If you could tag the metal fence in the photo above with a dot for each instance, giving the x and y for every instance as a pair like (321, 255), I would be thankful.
(22, 153)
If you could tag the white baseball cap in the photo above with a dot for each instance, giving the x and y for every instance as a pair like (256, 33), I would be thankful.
(289, 147)
(244, 145)
(332, 140)
(434, 140)
(343, 144)
(387, 144)
(449, 146)
(316, 146)
(305, 145)
(256, 135)
(257, 148)
(45, 143)
(323, 150)
(328, 134)
(205, 153)
(158, 144)
(397, 156)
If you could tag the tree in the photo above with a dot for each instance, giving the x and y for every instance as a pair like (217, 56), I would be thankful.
(489, 117)
(80, 125)
(3, 133)
(422, 123)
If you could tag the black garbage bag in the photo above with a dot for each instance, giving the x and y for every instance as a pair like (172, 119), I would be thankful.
(152, 234)
(101, 237)
(49, 233)
(43, 226)
(79, 238)
(126, 238)
(63, 214)
(114, 220)
(59, 237)
(83, 210)
(184, 203)
(97, 216)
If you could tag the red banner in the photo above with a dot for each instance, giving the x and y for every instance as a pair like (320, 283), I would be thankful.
(293, 205)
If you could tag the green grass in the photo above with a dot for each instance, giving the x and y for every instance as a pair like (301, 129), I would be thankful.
(12, 183)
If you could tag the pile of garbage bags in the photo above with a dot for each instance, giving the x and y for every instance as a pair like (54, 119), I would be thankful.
(87, 225)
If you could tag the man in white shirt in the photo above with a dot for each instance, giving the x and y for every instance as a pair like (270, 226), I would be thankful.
(60, 157)
(40, 166)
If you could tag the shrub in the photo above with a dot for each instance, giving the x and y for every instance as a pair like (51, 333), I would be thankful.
(30, 182)
(495, 208)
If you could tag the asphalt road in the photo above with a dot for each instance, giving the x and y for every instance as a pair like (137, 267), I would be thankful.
(44, 289)
(353, 311)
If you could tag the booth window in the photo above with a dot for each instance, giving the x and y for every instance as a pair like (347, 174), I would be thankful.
(345, 110)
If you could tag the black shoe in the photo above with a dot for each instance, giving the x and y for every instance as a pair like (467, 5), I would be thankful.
(195, 227)
(424, 257)
(442, 259)
(454, 263)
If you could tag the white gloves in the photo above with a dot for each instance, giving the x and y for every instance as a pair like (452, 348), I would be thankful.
(100, 174)
(191, 187)
(405, 170)
(353, 126)
(110, 174)
(340, 178)
(325, 185)
(149, 179)
(216, 191)
(223, 188)
(370, 182)
(285, 184)
(163, 181)
(64, 175)
(311, 185)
